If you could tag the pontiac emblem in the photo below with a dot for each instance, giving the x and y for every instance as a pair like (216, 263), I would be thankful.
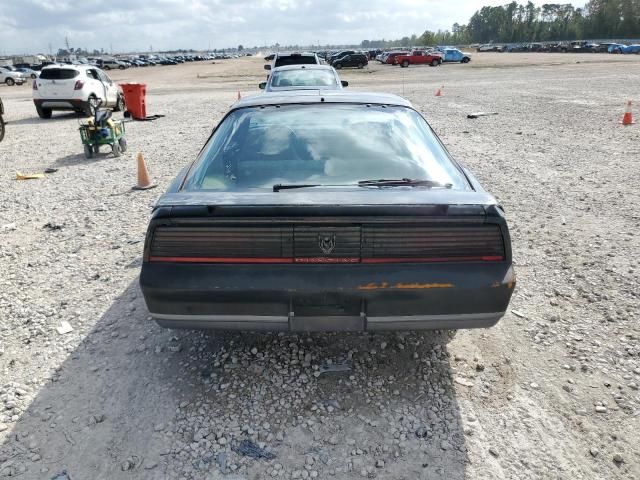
(327, 242)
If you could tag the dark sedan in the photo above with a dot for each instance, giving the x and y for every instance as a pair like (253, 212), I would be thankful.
(325, 211)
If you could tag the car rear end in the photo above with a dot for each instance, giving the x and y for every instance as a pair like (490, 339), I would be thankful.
(419, 267)
(60, 88)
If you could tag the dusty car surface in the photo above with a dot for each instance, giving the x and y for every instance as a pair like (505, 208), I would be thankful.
(303, 77)
(315, 211)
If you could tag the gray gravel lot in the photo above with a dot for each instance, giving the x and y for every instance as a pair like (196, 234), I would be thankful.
(551, 392)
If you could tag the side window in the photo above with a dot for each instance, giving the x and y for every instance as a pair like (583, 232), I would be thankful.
(104, 77)
(92, 74)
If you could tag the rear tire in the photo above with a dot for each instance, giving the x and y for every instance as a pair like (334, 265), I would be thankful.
(115, 149)
(405, 64)
(10, 82)
(338, 66)
(435, 63)
(466, 60)
(91, 106)
(106, 67)
(123, 144)
(360, 65)
(119, 104)
(43, 112)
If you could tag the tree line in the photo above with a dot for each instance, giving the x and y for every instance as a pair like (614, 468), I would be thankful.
(513, 23)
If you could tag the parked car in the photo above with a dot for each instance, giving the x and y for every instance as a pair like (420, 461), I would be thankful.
(619, 48)
(419, 57)
(1, 120)
(357, 60)
(109, 64)
(603, 47)
(28, 72)
(75, 87)
(391, 57)
(303, 77)
(289, 219)
(455, 55)
(339, 54)
(296, 58)
(11, 77)
(490, 47)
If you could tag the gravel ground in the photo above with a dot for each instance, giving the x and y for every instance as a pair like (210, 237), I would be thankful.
(550, 392)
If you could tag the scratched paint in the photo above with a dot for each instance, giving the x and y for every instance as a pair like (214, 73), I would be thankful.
(404, 286)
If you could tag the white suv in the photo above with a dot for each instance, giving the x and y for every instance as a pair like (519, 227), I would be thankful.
(74, 87)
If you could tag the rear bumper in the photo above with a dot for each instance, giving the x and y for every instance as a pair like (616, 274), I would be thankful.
(328, 297)
(60, 103)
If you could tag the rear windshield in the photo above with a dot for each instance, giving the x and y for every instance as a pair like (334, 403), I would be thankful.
(303, 78)
(295, 60)
(329, 144)
(58, 73)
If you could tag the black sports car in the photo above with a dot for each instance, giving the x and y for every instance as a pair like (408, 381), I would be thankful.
(315, 211)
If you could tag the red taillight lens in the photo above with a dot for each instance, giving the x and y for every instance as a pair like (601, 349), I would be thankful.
(79, 84)
(35, 85)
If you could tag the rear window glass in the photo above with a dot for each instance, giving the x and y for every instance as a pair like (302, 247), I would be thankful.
(295, 60)
(328, 144)
(58, 73)
(303, 78)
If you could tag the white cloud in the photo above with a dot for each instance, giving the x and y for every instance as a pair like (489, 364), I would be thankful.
(129, 25)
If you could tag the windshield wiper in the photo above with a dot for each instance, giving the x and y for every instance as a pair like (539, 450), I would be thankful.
(402, 182)
(279, 186)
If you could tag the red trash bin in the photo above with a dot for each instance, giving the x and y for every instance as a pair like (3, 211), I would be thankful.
(134, 99)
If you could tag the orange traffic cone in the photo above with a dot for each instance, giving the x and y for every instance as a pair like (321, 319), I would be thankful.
(239, 96)
(439, 91)
(628, 117)
(144, 182)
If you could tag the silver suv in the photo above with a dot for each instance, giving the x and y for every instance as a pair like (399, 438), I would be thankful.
(11, 77)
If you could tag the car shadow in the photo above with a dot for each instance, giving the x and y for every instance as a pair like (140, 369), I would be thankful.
(80, 159)
(56, 117)
(132, 400)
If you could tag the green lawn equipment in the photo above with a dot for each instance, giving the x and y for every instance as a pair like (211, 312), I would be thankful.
(101, 129)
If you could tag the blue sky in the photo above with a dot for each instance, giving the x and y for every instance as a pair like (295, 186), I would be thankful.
(29, 26)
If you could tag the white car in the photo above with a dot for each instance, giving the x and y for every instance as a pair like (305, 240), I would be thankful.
(11, 77)
(75, 87)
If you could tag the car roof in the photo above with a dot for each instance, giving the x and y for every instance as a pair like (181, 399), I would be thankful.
(303, 67)
(291, 97)
(65, 65)
(296, 54)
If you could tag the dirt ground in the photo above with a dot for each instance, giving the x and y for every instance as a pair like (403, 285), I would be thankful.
(551, 392)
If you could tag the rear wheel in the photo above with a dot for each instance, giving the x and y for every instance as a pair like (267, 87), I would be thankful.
(10, 82)
(43, 112)
(123, 144)
(106, 67)
(338, 66)
(466, 60)
(360, 65)
(119, 104)
(435, 62)
(405, 63)
(115, 149)
(91, 106)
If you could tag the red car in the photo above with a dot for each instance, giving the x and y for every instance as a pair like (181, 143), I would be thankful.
(390, 58)
(419, 57)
